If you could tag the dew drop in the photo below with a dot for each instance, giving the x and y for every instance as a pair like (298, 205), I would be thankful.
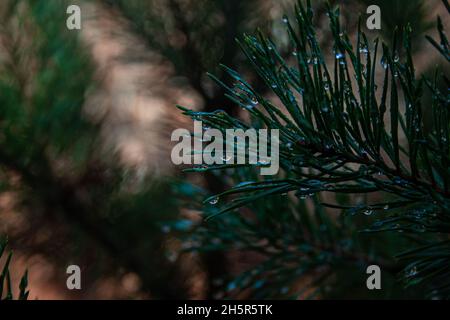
(363, 152)
(301, 141)
(412, 272)
(363, 49)
(339, 55)
(254, 101)
(384, 63)
(214, 201)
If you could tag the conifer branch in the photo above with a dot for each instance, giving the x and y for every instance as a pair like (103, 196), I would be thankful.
(344, 132)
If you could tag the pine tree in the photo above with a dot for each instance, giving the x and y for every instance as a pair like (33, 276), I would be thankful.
(52, 160)
(365, 169)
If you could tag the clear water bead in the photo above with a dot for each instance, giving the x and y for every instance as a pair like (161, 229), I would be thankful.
(363, 49)
(339, 55)
(254, 101)
(412, 272)
(214, 201)
(384, 63)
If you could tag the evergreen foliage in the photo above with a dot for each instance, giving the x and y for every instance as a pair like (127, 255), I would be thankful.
(365, 176)
(6, 288)
(52, 159)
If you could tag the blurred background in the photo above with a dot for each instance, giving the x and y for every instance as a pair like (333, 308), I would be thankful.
(85, 123)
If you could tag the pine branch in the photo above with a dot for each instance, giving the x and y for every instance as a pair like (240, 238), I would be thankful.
(334, 132)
